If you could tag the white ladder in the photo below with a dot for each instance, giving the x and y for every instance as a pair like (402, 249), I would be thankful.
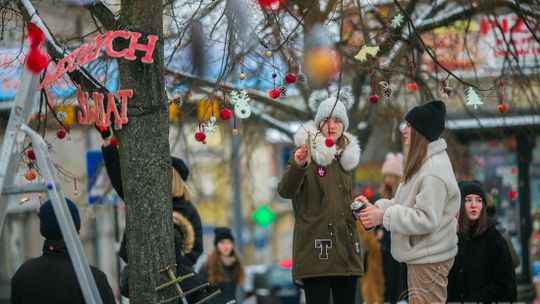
(9, 155)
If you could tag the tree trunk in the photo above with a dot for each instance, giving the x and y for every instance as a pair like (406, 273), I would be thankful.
(145, 160)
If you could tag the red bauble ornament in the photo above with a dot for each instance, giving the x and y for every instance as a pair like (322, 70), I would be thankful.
(61, 133)
(513, 171)
(271, 5)
(31, 155)
(329, 142)
(30, 175)
(512, 195)
(368, 192)
(502, 108)
(225, 114)
(412, 87)
(35, 35)
(290, 78)
(36, 61)
(200, 136)
(113, 142)
(274, 93)
(373, 99)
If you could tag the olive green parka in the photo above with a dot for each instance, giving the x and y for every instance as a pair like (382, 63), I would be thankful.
(325, 240)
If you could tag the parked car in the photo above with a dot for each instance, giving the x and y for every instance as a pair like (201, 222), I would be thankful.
(271, 284)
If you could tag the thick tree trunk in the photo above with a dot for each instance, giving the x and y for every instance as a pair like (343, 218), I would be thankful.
(145, 160)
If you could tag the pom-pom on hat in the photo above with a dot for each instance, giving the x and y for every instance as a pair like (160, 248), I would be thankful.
(180, 166)
(222, 233)
(428, 119)
(473, 187)
(393, 164)
(322, 102)
(48, 224)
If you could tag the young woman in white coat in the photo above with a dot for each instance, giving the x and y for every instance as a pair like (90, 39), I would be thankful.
(421, 216)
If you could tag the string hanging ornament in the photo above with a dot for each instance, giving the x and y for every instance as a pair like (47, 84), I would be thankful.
(374, 98)
(502, 107)
(412, 86)
(274, 93)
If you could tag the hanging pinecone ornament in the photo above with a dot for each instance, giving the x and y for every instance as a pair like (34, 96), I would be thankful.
(300, 77)
(446, 90)
(283, 91)
(387, 91)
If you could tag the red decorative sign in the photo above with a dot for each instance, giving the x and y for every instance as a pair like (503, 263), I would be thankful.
(89, 52)
(97, 113)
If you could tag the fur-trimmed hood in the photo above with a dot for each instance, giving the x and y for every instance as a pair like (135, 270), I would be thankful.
(324, 155)
(187, 231)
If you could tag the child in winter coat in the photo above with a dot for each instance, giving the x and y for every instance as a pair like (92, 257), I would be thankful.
(421, 215)
(326, 248)
(483, 270)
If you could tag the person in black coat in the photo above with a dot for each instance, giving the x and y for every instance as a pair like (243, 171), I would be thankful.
(483, 270)
(187, 222)
(224, 269)
(51, 277)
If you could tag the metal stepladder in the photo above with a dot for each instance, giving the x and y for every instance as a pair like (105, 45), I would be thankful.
(15, 134)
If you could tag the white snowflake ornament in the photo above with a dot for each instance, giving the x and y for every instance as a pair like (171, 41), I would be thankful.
(397, 20)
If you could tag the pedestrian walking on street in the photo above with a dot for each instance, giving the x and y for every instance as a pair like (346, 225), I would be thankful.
(51, 277)
(421, 216)
(327, 258)
(224, 269)
(483, 270)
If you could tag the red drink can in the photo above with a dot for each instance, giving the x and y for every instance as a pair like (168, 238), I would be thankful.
(357, 208)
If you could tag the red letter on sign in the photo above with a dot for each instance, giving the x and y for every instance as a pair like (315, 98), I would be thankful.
(109, 43)
(111, 108)
(85, 115)
(101, 120)
(148, 48)
(124, 95)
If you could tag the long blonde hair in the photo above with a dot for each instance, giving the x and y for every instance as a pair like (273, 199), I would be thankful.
(179, 187)
(416, 154)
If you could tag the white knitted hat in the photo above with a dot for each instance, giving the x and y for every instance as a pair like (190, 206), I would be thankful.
(322, 101)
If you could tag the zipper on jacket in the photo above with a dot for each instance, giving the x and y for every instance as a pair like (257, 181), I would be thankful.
(332, 231)
(351, 237)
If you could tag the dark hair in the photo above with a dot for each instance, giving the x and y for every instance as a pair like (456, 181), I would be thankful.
(416, 154)
(469, 229)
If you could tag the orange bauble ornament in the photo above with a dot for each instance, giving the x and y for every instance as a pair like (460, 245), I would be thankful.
(323, 64)
(30, 175)
(502, 108)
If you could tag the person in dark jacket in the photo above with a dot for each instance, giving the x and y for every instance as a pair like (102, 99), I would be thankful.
(187, 222)
(224, 269)
(181, 198)
(483, 270)
(327, 256)
(51, 277)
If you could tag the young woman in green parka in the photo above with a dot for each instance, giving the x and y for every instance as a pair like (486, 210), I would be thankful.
(326, 248)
